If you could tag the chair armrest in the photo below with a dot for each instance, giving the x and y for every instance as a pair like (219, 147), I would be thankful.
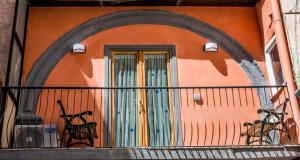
(71, 117)
(270, 112)
(80, 114)
(88, 124)
(77, 115)
(273, 110)
(247, 124)
(258, 121)
(267, 111)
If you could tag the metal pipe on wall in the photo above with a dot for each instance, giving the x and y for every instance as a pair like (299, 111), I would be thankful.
(285, 60)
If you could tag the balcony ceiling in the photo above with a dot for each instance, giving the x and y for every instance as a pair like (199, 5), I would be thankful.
(242, 3)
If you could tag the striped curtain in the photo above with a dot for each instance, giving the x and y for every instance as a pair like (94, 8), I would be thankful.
(125, 101)
(158, 109)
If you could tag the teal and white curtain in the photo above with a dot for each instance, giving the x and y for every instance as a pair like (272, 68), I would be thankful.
(158, 106)
(125, 101)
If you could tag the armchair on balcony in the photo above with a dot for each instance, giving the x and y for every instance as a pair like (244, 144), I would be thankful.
(80, 132)
(259, 130)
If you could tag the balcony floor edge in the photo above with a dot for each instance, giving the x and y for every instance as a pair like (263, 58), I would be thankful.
(227, 152)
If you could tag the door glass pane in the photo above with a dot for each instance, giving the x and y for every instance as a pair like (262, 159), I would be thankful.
(158, 106)
(125, 101)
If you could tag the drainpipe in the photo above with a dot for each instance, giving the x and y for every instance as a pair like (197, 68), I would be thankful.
(285, 59)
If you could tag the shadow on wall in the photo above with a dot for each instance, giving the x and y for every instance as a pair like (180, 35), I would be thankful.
(75, 101)
(219, 63)
(85, 61)
(217, 120)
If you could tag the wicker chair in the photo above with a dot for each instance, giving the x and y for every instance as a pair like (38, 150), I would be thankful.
(79, 132)
(274, 120)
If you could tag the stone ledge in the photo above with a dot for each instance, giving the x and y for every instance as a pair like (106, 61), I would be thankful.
(217, 152)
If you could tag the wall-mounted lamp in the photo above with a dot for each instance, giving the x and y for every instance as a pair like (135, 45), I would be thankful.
(78, 48)
(210, 47)
(197, 97)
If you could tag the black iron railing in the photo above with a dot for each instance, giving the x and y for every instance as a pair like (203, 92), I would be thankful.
(146, 116)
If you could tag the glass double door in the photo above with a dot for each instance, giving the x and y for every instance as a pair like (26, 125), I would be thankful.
(141, 116)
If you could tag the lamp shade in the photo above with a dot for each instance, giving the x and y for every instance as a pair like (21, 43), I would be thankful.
(211, 47)
(78, 48)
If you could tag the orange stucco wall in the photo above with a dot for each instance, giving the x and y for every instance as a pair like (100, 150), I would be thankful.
(195, 67)
(264, 12)
(45, 25)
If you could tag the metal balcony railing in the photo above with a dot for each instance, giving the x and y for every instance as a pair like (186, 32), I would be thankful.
(146, 116)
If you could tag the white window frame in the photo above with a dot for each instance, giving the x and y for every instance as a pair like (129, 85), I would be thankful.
(269, 64)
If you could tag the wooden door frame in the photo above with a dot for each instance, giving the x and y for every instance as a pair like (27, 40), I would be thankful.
(108, 50)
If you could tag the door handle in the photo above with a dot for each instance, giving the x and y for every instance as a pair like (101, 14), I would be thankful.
(141, 109)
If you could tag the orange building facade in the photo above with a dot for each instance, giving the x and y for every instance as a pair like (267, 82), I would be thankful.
(206, 98)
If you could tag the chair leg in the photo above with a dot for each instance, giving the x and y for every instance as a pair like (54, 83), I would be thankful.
(261, 134)
(90, 136)
(260, 139)
(69, 141)
(269, 139)
(248, 140)
(286, 130)
(63, 138)
(91, 140)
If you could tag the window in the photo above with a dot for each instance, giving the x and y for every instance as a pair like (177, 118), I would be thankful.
(141, 117)
(273, 63)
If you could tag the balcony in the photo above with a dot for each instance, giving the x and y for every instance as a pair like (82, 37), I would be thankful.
(143, 121)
